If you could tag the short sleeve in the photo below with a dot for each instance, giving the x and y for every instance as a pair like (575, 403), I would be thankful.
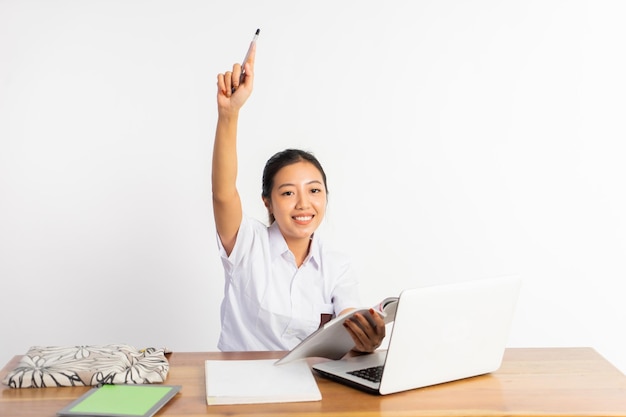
(242, 246)
(345, 292)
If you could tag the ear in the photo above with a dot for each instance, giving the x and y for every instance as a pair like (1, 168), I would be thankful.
(267, 203)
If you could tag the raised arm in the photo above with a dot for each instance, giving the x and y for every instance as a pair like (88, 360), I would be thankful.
(226, 201)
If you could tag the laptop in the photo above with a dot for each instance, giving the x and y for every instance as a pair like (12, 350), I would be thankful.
(441, 333)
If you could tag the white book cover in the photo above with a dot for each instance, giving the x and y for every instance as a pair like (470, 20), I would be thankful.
(259, 381)
(332, 340)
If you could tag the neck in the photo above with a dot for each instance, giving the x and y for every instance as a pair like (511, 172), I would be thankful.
(300, 249)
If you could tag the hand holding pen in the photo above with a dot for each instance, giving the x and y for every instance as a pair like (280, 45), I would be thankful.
(240, 79)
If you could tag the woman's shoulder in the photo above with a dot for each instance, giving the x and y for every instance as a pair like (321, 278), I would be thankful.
(250, 230)
(254, 222)
(330, 254)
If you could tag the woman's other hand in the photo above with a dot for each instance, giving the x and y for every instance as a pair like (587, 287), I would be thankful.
(367, 334)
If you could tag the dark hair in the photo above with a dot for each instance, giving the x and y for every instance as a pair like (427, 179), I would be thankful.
(282, 159)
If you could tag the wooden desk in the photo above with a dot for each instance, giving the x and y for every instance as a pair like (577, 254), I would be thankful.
(530, 382)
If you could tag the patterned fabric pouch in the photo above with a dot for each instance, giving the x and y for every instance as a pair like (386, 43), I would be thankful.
(66, 366)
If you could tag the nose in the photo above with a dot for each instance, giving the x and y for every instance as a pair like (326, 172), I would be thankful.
(303, 202)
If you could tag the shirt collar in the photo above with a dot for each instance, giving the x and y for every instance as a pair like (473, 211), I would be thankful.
(278, 246)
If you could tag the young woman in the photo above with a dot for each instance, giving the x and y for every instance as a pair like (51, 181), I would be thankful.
(280, 280)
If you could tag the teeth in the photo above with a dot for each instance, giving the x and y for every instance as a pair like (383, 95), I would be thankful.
(303, 218)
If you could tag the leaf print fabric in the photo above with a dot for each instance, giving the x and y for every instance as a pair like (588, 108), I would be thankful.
(66, 366)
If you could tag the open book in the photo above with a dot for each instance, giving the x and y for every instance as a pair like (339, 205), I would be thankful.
(332, 340)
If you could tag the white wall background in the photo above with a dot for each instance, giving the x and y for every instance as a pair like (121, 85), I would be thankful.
(462, 139)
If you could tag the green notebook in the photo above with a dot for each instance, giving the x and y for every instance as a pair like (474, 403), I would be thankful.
(136, 400)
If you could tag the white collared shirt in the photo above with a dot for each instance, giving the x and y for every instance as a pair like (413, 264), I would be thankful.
(271, 304)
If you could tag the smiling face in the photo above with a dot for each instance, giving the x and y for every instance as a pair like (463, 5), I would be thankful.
(298, 200)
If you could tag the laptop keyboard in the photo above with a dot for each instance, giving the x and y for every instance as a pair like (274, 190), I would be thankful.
(374, 374)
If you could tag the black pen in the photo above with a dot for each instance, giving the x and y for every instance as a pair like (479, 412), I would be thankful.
(245, 59)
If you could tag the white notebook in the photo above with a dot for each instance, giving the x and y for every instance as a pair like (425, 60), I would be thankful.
(259, 381)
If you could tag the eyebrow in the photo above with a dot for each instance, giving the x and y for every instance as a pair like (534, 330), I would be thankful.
(288, 184)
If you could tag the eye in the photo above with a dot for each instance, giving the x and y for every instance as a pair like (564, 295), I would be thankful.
(316, 190)
(287, 193)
